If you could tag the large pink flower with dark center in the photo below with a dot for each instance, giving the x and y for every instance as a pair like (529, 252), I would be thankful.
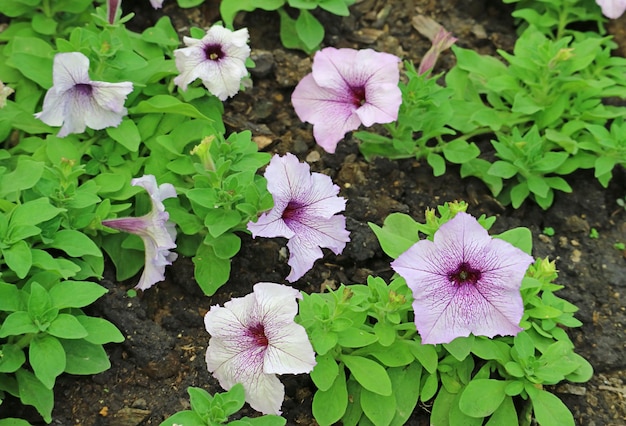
(76, 102)
(463, 282)
(305, 207)
(155, 229)
(345, 89)
(254, 338)
(218, 59)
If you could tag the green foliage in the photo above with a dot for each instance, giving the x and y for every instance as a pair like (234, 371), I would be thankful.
(44, 333)
(303, 32)
(373, 369)
(212, 410)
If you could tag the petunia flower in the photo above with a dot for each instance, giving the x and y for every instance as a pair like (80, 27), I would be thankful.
(345, 89)
(612, 9)
(76, 102)
(464, 282)
(155, 229)
(254, 338)
(218, 59)
(157, 4)
(305, 207)
(5, 92)
(442, 41)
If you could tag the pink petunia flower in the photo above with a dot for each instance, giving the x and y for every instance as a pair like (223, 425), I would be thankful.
(464, 282)
(305, 207)
(345, 89)
(254, 338)
(218, 59)
(76, 102)
(612, 9)
(155, 229)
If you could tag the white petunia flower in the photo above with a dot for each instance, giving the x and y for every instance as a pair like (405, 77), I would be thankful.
(254, 338)
(76, 102)
(218, 59)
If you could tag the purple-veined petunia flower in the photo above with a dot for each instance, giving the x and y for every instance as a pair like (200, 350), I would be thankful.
(463, 282)
(155, 229)
(254, 338)
(612, 9)
(305, 211)
(218, 59)
(442, 41)
(347, 88)
(76, 102)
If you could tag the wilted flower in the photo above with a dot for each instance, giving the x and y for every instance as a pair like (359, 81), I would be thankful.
(442, 41)
(612, 8)
(305, 207)
(112, 8)
(76, 102)
(157, 4)
(154, 228)
(345, 89)
(464, 282)
(253, 338)
(5, 92)
(218, 59)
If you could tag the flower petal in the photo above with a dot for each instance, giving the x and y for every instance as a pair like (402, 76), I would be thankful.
(331, 111)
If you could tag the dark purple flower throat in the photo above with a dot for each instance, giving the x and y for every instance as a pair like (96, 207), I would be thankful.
(84, 88)
(213, 52)
(464, 274)
(358, 95)
(257, 333)
(291, 211)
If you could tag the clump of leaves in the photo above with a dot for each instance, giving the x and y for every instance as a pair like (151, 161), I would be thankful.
(373, 368)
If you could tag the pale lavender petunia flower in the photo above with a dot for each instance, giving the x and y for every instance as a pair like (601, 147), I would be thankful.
(254, 338)
(345, 89)
(464, 282)
(76, 102)
(305, 211)
(155, 229)
(218, 59)
(612, 9)
(157, 4)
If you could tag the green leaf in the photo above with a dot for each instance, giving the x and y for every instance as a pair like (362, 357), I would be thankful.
(481, 397)
(309, 29)
(521, 238)
(100, 331)
(459, 151)
(126, 134)
(39, 302)
(378, 408)
(330, 405)
(18, 323)
(460, 347)
(549, 410)
(355, 338)
(325, 371)
(210, 271)
(405, 391)
(10, 421)
(47, 358)
(220, 220)
(437, 162)
(84, 357)
(33, 57)
(75, 294)
(169, 105)
(18, 258)
(12, 358)
(34, 212)
(74, 243)
(186, 417)
(33, 392)
(398, 234)
(66, 326)
(370, 374)
(426, 355)
(502, 169)
(226, 245)
(504, 415)
(9, 297)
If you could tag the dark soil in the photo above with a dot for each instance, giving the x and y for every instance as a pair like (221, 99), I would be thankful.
(165, 337)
